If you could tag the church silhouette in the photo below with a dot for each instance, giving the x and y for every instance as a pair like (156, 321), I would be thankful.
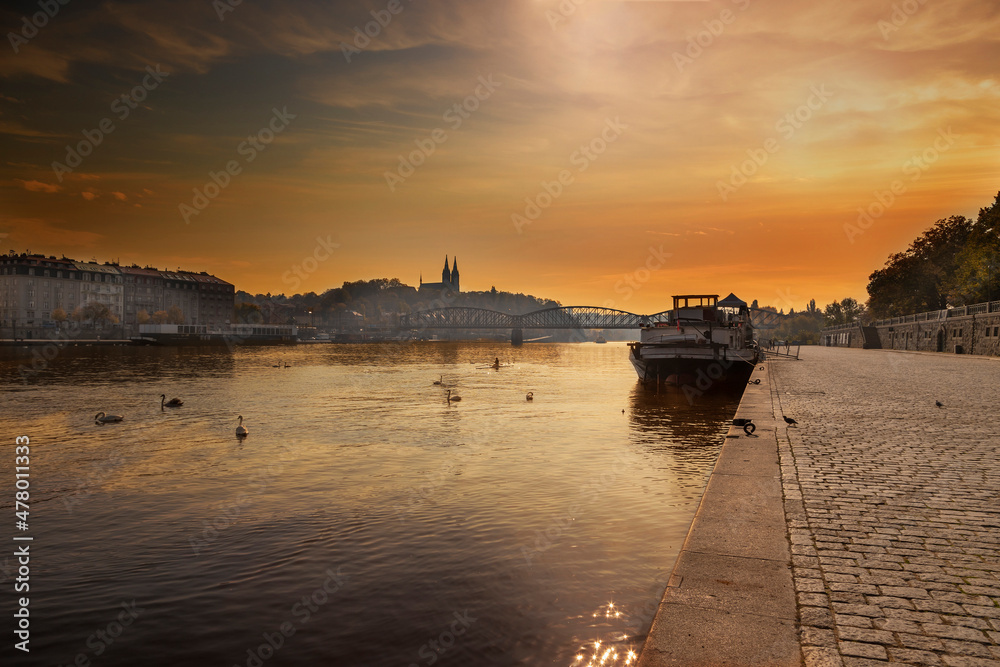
(449, 279)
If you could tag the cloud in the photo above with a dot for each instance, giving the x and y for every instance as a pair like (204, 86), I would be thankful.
(120, 196)
(38, 186)
(35, 232)
(89, 196)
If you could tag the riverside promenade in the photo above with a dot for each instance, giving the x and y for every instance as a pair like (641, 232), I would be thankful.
(868, 534)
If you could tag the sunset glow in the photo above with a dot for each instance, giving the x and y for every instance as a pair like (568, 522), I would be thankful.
(594, 152)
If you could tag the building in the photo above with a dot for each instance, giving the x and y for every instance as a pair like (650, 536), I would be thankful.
(449, 279)
(33, 288)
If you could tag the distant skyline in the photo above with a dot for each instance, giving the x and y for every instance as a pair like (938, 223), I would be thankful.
(616, 154)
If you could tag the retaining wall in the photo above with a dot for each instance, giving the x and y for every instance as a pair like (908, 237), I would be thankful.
(949, 331)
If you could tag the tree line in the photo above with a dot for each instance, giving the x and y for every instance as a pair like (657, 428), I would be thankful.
(953, 263)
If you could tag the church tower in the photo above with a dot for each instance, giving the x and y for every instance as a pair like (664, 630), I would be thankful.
(445, 275)
(454, 276)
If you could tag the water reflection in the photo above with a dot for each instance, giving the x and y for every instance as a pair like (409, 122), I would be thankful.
(356, 460)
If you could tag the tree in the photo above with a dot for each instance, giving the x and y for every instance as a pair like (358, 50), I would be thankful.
(175, 316)
(60, 316)
(160, 317)
(975, 277)
(142, 317)
(923, 277)
(98, 313)
(844, 311)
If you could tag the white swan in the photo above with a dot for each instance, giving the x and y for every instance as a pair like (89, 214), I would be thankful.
(530, 396)
(105, 418)
(241, 430)
(453, 399)
(172, 403)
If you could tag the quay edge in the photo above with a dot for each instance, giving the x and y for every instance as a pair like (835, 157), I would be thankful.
(730, 599)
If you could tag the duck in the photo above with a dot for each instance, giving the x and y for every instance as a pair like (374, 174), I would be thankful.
(530, 396)
(172, 403)
(453, 399)
(104, 418)
(241, 430)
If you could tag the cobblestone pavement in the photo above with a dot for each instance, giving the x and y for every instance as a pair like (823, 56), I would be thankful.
(893, 505)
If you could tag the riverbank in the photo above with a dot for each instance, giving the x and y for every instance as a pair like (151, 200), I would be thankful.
(889, 535)
(730, 599)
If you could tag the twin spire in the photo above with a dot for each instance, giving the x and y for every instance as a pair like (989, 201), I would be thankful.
(450, 276)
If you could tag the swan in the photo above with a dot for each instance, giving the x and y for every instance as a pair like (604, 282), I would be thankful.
(453, 399)
(439, 381)
(241, 430)
(287, 365)
(172, 403)
(105, 418)
(530, 396)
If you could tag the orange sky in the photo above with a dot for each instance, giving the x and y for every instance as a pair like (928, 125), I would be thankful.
(643, 108)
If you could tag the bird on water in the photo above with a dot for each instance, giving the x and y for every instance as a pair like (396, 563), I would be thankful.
(440, 380)
(104, 418)
(789, 420)
(172, 403)
(530, 396)
(939, 404)
(241, 430)
(453, 399)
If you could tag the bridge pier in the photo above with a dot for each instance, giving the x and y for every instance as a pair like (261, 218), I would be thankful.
(516, 337)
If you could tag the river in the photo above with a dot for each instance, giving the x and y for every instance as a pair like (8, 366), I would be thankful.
(365, 520)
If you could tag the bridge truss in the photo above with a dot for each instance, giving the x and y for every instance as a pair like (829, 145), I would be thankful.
(563, 317)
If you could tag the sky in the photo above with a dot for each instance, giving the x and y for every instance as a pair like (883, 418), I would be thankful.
(595, 152)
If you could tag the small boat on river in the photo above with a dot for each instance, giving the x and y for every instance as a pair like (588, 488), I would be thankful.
(701, 342)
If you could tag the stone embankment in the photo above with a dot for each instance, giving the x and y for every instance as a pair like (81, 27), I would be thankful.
(885, 546)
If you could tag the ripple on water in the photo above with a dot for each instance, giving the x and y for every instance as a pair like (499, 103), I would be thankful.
(537, 519)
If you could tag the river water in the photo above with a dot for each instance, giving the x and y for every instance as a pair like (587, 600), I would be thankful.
(364, 521)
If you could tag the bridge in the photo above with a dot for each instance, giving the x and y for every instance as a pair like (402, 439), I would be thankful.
(562, 317)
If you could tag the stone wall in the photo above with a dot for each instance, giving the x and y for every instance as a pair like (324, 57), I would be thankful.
(956, 330)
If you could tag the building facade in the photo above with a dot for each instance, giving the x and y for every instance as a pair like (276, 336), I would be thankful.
(34, 288)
